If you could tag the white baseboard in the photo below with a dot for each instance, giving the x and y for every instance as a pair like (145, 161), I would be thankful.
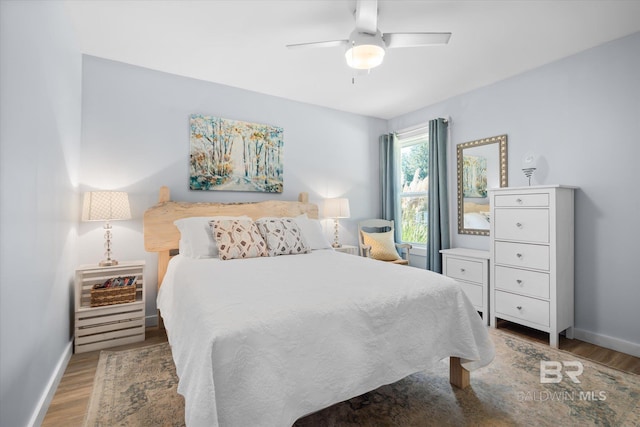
(609, 342)
(150, 321)
(43, 404)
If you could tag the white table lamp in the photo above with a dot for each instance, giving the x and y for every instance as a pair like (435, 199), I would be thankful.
(336, 208)
(106, 206)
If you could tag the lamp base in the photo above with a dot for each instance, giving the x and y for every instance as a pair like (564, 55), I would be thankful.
(336, 244)
(107, 262)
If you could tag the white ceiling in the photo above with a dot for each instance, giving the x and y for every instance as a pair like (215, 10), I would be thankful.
(242, 44)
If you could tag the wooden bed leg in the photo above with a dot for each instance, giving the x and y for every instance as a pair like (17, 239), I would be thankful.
(458, 376)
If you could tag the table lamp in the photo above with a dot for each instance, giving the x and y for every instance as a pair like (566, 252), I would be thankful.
(336, 208)
(106, 206)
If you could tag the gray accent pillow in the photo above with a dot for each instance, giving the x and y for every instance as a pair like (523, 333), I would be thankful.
(283, 236)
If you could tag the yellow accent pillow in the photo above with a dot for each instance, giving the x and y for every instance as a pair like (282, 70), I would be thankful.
(383, 246)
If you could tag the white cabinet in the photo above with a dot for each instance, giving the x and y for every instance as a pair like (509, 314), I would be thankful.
(532, 248)
(470, 268)
(108, 326)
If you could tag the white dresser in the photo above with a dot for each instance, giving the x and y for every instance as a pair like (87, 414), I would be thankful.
(532, 258)
(470, 267)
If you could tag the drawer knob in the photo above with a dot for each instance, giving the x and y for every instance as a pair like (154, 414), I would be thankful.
(462, 270)
(519, 282)
(519, 307)
(519, 255)
(519, 224)
(519, 200)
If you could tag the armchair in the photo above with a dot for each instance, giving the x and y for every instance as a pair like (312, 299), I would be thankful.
(376, 240)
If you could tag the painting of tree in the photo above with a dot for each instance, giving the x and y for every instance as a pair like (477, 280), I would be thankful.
(231, 155)
(474, 179)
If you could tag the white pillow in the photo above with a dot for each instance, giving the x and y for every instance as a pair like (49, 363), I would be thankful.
(312, 232)
(196, 238)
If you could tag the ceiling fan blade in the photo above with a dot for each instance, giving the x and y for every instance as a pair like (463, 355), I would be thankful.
(330, 43)
(367, 16)
(415, 39)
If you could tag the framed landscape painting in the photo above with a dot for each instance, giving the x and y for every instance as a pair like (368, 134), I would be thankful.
(232, 155)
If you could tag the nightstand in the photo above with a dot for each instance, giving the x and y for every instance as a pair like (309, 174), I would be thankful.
(348, 249)
(112, 325)
(470, 267)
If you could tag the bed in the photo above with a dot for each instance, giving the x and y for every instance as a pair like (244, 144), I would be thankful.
(267, 340)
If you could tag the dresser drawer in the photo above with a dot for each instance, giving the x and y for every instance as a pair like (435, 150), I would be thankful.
(524, 282)
(521, 307)
(474, 293)
(522, 200)
(522, 255)
(463, 269)
(530, 225)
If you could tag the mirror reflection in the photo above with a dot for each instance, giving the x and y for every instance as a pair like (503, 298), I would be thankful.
(482, 164)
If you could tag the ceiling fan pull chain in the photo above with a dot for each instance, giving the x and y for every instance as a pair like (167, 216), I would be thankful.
(353, 71)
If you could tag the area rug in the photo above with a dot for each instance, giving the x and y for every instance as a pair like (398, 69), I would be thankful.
(138, 388)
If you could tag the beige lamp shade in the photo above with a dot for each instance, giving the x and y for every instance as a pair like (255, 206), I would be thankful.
(105, 206)
(337, 208)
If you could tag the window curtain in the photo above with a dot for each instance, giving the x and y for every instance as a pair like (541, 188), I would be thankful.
(438, 236)
(387, 180)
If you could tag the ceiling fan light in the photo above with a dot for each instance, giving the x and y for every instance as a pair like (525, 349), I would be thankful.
(365, 51)
(365, 56)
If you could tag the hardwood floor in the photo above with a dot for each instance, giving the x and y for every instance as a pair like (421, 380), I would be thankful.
(67, 409)
(72, 396)
(614, 359)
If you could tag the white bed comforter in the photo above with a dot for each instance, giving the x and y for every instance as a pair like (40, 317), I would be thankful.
(265, 341)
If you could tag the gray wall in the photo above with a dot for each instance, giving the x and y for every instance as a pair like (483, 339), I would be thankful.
(135, 137)
(40, 82)
(581, 115)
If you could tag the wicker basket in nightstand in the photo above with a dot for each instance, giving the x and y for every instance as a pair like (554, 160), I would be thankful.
(110, 296)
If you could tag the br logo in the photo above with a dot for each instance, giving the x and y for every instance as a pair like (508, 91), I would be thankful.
(551, 371)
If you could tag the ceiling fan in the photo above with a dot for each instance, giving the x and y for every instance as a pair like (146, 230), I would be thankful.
(366, 45)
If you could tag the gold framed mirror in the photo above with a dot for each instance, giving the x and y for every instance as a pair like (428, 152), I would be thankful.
(482, 164)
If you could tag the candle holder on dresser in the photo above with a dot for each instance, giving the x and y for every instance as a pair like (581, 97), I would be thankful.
(529, 165)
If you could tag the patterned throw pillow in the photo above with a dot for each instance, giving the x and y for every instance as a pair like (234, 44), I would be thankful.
(283, 236)
(238, 238)
(383, 246)
(196, 240)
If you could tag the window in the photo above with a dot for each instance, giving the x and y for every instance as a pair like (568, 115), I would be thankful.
(412, 188)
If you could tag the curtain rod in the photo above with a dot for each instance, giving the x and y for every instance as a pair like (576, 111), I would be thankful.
(420, 127)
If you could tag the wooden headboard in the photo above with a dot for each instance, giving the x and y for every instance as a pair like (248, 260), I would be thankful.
(162, 236)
